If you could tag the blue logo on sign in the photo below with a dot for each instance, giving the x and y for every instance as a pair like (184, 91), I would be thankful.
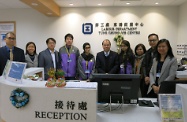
(87, 28)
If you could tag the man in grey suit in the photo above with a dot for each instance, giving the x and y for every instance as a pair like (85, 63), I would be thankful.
(49, 58)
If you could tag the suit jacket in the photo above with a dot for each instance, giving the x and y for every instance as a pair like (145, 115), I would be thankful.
(31, 63)
(45, 61)
(148, 61)
(18, 55)
(113, 63)
(168, 71)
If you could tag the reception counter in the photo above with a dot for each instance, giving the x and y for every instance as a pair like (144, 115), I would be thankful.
(74, 103)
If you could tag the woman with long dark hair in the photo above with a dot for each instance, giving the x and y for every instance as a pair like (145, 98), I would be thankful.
(164, 67)
(126, 58)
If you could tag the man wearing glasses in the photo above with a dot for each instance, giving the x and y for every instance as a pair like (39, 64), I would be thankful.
(10, 51)
(148, 60)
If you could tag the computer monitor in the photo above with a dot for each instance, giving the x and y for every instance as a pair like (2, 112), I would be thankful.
(169, 87)
(117, 88)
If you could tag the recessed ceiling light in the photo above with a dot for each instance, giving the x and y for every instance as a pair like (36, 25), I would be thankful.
(71, 4)
(34, 4)
(127, 3)
(99, 4)
(156, 3)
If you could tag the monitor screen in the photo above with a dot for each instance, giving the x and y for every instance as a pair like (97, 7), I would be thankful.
(169, 87)
(117, 88)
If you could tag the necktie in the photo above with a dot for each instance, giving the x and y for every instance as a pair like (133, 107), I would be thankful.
(106, 54)
(11, 55)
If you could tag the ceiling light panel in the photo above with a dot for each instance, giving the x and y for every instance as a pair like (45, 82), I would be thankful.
(132, 2)
(102, 2)
(76, 3)
(163, 2)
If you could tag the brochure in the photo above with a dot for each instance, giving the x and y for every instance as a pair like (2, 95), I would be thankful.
(171, 108)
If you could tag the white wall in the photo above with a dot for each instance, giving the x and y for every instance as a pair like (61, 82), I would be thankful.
(34, 26)
(182, 32)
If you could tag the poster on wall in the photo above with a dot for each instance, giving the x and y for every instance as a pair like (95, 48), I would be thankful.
(182, 49)
(5, 27)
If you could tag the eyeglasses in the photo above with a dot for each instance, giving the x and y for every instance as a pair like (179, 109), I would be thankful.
(9, 38)
(87, 47)
(152, 40)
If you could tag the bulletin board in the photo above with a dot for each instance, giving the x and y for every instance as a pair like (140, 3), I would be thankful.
(5, 27)
(182, 49)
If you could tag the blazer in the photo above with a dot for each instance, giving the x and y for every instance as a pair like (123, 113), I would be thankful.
(148, 61)
(113, 62)
(31, 63)
(168, 71)
(18, 55)
(45, 61)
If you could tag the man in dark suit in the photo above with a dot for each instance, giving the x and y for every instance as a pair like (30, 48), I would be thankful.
(49, 58)
(10, 52)
(107, 60)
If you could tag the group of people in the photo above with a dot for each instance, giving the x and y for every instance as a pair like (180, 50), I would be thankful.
(155, 65)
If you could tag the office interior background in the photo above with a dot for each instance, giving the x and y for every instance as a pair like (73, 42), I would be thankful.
(167, 20)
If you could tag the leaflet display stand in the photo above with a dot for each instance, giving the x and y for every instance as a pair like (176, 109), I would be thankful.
(171, 107)
(13, 71)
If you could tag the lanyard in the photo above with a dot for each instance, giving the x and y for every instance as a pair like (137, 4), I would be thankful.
(68, 52)
(87, 64)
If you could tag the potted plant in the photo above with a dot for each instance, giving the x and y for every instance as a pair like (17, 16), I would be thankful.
(60, 78)
(51, 73)
(60, 73)
(52, 79)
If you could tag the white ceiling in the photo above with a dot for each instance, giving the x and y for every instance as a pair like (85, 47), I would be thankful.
(94, 3)
(6, 4)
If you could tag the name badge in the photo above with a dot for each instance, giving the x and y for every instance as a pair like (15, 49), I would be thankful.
(122, 66)
(69, 60)
(158, 75)
(87, 71)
